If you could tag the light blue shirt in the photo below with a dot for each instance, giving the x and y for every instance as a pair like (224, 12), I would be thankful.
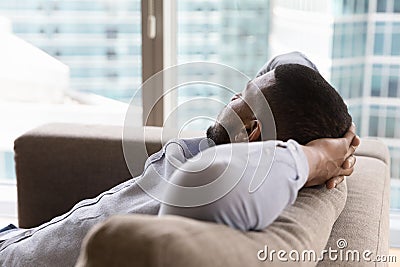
(249, 184)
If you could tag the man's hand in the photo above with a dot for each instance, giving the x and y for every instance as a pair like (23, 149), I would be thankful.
(330, 159)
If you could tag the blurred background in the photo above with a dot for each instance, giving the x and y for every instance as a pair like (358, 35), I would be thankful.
(84, 61)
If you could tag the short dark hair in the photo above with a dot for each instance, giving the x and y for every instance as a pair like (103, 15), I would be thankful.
(217, 135)
(305, 106)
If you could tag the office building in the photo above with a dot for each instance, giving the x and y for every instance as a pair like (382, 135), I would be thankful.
(356, 44)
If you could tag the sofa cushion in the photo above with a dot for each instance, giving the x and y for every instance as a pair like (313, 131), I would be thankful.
(373, 148)
(364, 222)
(143, 240)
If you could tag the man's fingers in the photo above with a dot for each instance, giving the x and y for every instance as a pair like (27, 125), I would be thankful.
(330, 183)
(346, 172)
(350, 133)
(351, 138)
(349, 162)
(350, 152)
(333, 182)
(356, 141)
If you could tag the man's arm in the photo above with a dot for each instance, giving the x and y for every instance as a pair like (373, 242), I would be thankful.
(264, 178)
(280, 171)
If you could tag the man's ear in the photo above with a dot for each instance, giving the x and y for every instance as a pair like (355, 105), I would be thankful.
(254, 130)
(242, 136)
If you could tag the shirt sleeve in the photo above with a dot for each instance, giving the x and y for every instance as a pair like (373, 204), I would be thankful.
(289, 58)
(269, 176)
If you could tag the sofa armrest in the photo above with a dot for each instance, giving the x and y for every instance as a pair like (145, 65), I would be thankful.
(59, 164)
(374, 148)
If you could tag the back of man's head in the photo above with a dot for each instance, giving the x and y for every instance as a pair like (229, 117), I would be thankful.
(305, 106)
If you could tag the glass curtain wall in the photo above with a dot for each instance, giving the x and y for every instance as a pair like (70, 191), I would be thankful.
(233, 33)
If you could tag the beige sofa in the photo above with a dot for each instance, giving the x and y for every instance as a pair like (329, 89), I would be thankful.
(59, 164)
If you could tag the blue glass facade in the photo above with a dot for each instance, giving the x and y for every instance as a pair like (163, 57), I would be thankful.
(99, 40)
(350, 39)
(394, 196)
(234, 33)
(345, 7)
(7, 166)
(360, 55)
(387, 38)
(388, 6)
(369, 76)
(385, 80)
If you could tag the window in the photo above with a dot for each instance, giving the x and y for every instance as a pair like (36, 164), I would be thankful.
(376, 85)
(7, 166)
(349, 39)
(393, 85)
(385, 80)
(349, 80)
(396, 44)
(395, 163)
(374, 120)
(111, 33)
(98, 51)
(390, 126)
(396, 6)
(355, 6)
(394, 189)
(355, 112)
(373, 125)
(387, 38)
(111, 53)
(381, 5)
(397, 128)
(337, 40)
(378, 44)
(391, 123)
(234, 33)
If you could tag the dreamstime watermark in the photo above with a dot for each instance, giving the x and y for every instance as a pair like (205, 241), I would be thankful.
(228, 82)
(340, 253)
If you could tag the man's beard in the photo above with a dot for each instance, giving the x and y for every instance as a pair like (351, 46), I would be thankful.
(217, 135)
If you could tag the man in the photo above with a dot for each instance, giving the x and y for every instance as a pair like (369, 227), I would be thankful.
(304, 106)
(57, 242)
